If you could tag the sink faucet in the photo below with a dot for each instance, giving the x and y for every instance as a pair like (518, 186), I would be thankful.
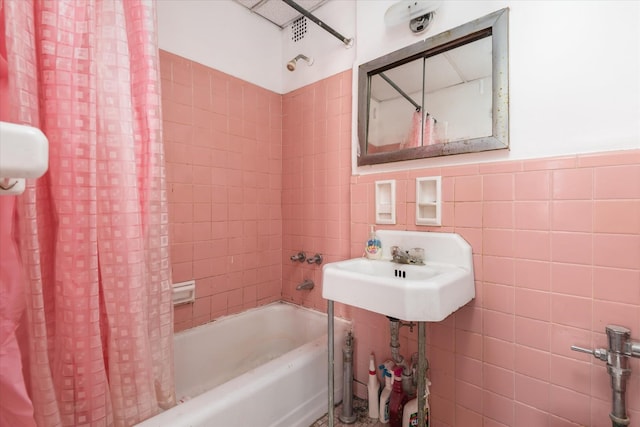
(411, 256)
(621, 348)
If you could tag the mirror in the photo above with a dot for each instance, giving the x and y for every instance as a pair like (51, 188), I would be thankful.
(448, 94)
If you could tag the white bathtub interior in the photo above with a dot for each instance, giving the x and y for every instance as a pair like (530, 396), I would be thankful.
(263, 367)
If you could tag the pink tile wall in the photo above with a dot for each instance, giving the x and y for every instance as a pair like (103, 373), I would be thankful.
(556, 246)
(223, 148)
(316, 170)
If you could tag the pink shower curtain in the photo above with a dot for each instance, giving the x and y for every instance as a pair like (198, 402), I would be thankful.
(422, 132)
(92, 234)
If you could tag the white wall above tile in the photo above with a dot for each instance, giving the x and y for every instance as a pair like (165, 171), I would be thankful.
(574, 86)
(223, 35)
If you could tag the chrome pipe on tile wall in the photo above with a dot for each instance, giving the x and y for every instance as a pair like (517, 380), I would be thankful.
(621, 348)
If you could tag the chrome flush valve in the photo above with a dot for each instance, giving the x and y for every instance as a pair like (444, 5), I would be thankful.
(621, 348)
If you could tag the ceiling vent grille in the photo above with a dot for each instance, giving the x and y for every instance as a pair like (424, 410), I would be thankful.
(298, 29)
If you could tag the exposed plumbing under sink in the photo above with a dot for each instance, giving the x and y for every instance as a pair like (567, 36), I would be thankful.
(409, 368)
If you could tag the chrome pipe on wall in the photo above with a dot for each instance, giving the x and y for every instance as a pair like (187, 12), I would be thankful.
(621, 348)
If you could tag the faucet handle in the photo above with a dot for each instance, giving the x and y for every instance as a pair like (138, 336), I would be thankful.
(598, 353)
(417, 255)
(316, 259)
(300, 256)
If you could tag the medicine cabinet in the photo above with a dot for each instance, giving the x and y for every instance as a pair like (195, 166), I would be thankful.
(448, 94)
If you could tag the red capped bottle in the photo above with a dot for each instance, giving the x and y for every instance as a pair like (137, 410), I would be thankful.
(398, 399)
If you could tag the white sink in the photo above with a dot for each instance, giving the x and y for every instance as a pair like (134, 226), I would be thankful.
(423, 293)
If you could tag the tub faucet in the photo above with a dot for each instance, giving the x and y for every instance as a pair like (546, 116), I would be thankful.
(621, 348)
(300, 256)
(316, 259)
(305, 285)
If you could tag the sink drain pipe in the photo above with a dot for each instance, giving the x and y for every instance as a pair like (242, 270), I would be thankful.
(423, 364)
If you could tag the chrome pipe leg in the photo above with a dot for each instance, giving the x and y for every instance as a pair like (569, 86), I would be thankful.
(422, 372)
(330, 361)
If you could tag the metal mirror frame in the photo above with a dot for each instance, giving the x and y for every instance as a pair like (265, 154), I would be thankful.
(494, 24)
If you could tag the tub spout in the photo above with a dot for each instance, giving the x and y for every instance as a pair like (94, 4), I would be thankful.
(306, 285)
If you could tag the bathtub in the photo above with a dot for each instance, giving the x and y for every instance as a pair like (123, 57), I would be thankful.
(265, 367)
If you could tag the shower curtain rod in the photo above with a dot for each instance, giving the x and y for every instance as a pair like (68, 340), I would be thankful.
(306, 13)
(400, 91)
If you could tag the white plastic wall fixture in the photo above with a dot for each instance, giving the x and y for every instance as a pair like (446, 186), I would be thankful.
(12, 186)
(24, 153)
(184, 292)
(428, 201)
(386, 202)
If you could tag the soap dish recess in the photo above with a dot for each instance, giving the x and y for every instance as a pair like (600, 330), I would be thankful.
(428, 201)
(386, 202)
(184, 292)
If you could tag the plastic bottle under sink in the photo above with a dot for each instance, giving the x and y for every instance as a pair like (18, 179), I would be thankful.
(410, 412)
(385, 397)
(373, 390)
(397, 400)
